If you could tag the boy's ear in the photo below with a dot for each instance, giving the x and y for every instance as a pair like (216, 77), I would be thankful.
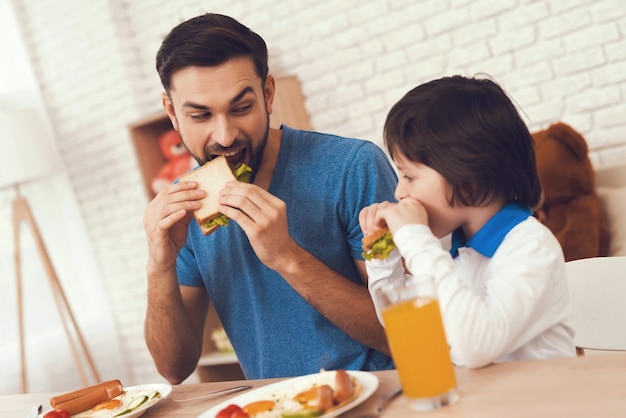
(467, 192)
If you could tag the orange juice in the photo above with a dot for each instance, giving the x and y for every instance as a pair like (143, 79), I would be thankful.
(418, 346)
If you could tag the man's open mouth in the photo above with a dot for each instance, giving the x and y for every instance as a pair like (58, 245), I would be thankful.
(234, 158)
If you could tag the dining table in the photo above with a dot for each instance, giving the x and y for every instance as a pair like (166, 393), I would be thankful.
(583, 386)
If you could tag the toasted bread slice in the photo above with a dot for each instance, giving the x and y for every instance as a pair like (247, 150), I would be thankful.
(211, 178)
(207, 230)
(369, 240)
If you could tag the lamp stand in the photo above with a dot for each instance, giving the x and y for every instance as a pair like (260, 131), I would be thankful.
(22, 212)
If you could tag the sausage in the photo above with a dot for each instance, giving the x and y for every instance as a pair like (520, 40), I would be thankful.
(88, 399)
(324, 397)
(344, 386)
(80, 392)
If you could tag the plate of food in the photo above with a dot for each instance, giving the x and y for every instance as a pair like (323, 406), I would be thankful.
(107, 400)
(326, 394)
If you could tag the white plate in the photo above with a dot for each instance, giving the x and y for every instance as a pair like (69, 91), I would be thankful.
(290, 387)
(163, 389)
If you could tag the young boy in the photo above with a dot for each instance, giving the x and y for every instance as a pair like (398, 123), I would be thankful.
(467, 167)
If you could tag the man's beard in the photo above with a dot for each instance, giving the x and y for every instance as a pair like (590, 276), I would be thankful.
(256, 155)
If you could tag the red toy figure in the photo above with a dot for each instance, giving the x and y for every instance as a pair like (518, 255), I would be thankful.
(179, 160)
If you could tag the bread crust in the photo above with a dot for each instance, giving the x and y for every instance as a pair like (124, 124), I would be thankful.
(207, 231)
(211, 178)
(369, 239)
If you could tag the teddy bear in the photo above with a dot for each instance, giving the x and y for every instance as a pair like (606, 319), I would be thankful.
(178, 160)
(571, 209)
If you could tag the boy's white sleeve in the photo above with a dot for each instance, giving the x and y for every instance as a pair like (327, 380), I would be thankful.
(380, 272)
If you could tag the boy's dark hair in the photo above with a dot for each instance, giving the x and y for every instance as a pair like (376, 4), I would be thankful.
(207, 41)
(469, 131)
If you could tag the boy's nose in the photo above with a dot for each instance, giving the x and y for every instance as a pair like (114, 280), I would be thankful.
(400, 192)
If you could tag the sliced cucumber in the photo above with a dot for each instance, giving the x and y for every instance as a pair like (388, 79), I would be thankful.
(154, 394)
(305, 413)
(132, 405)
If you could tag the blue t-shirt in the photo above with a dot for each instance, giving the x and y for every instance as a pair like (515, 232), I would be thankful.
(325, 181)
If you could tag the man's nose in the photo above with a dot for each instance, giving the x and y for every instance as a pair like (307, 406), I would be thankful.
(224, 131)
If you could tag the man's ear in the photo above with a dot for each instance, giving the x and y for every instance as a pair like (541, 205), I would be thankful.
(169, 108)
(268, 92)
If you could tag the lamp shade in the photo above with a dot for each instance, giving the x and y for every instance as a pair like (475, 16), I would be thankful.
(27, 150)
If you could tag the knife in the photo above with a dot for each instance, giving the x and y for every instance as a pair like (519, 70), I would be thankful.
(382, 403)
(214, 394)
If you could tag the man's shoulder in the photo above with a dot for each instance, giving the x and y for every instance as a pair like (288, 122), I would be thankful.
(301, 133)
(316, 139)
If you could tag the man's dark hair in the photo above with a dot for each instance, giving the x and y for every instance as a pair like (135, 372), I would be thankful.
(469, 131)
(207, 41)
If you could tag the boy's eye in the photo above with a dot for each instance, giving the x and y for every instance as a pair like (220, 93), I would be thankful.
(407, 178)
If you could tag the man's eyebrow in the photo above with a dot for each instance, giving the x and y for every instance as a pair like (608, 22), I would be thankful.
(242, 93)
(234, 100)
(195, 106)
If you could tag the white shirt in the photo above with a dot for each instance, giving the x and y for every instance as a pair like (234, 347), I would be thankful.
(510, 306)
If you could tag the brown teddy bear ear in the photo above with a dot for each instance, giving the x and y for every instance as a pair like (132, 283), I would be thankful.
(570, 139)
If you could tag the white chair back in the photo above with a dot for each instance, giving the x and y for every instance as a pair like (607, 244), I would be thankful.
(597, 289)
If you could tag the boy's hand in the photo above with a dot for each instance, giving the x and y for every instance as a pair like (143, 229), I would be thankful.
(369, 218)
(392, 215)
(406, 212)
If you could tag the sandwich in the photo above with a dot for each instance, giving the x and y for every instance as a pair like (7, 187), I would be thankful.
(378, 244)
(211, 178)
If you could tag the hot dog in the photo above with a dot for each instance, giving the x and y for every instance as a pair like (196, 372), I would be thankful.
(83, 399)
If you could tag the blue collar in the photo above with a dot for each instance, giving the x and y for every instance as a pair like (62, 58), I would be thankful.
(487, 240)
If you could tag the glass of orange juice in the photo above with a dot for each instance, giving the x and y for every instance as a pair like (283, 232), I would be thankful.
(414, 329)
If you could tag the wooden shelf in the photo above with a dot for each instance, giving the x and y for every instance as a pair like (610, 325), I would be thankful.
(214, 365)
(289, 105)
(145, 134)
(217, 358)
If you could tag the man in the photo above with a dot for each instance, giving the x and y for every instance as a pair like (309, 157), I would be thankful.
(286, 276)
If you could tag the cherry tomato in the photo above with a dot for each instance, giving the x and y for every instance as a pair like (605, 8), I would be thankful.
(52, 414)
(63, 413)
(227, 412)
(240, 413)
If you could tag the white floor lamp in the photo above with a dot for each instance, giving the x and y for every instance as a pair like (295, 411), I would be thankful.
(27, 156)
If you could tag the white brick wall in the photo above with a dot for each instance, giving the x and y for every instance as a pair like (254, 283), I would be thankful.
(560, 60)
